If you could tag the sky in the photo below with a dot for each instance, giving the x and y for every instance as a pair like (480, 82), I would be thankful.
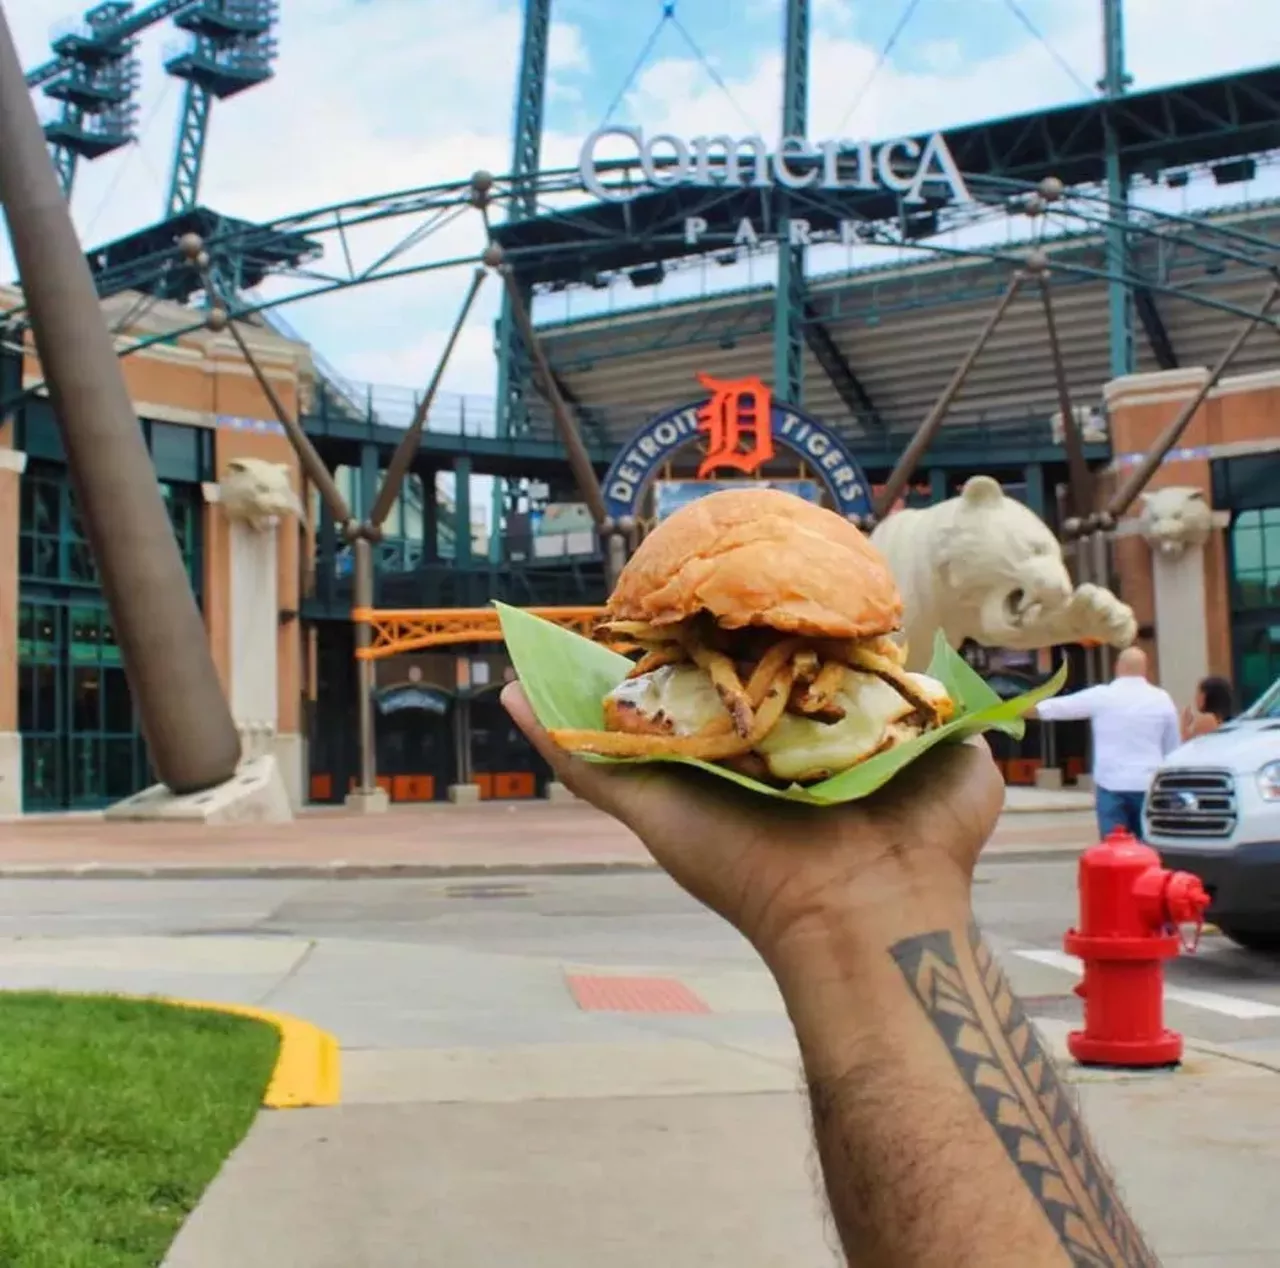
(380, 95)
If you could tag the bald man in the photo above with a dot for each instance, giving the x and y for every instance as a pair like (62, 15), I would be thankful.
(1135, 726)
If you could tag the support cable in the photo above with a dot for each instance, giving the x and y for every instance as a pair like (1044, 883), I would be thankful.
(668, 15)
(1020, 13)
(716, 77)
(912, 6)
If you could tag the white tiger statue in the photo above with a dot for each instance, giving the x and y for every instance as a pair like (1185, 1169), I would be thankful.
(1175, 518)
(258, 493)
(983, 566)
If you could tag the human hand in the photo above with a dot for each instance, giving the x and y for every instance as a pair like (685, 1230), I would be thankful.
(773, 867)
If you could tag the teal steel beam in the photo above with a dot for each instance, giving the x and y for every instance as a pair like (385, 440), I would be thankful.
(514, 361)
(188, 155)
(233, 47)
(789, 294)
(526, 158)
(462, 509)
(1119, 293)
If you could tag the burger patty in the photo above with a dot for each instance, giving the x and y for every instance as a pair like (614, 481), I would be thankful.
(681, 699)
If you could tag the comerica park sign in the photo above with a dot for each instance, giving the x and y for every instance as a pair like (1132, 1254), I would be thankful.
(903, 166)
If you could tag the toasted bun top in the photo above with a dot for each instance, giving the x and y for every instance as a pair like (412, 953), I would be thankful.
(760, 557)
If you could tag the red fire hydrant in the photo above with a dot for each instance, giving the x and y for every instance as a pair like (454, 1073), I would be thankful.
(1131, 910)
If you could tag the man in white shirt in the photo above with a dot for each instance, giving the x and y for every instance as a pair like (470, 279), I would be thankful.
(1135, 725)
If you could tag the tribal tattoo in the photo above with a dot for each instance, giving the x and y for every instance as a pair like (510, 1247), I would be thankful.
(967, 999)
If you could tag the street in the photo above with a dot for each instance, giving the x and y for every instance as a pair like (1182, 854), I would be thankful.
(602, 921)
(551, 1069)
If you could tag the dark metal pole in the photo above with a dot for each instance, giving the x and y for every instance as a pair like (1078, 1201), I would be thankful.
(920, 442)
(174, 684)
(1079, 480)
(362, 585)
(220, 319)
(1101, 547)
(1143, 472)
(408, 446)
(579, 460)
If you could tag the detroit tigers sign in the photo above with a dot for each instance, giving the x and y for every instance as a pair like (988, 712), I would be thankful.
(741, 428)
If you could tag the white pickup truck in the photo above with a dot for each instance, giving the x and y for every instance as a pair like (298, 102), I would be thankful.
(1214, 810)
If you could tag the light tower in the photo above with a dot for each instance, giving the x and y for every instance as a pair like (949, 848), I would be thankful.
(95, 76)
(232, 47)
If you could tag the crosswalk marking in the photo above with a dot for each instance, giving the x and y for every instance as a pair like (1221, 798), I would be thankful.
(1211, 1001)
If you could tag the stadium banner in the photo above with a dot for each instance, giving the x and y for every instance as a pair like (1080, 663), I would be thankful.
(740, 428)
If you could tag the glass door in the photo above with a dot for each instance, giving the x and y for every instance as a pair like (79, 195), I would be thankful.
(81, 747)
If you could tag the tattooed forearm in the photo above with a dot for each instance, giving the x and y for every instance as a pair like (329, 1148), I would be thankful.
(968, 1001)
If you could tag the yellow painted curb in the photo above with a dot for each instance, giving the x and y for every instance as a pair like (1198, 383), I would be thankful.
(308, 1071)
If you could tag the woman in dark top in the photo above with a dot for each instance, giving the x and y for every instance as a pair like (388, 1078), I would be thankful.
(1212, 708)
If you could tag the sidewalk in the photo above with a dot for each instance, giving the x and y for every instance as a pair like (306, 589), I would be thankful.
(431, 840)
(523, 1091)
(511, 1109)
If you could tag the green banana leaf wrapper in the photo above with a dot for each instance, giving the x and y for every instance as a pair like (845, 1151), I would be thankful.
(566, 678)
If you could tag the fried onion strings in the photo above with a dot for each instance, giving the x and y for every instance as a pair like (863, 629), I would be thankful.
(656, 659)
(873, 663)
(818, 699)
(733, 695)
(708, 746)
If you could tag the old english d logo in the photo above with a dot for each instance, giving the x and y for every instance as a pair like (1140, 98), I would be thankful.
(736, 422)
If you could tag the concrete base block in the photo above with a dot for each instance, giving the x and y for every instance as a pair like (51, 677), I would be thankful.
(374, 802)
(556, 791)
(255, 794)
(10, 773)
(1084, 783)
(1049, 777)
(291, 752)
(464, 794)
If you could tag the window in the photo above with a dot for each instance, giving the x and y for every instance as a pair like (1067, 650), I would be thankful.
(53, 546)
(1255, 558)
(176, 451)
(40, 528)
(1258, 666)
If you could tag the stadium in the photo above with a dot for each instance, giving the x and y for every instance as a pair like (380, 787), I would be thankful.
(1020, 285)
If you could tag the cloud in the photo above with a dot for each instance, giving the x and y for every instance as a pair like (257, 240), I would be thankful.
(400, 94)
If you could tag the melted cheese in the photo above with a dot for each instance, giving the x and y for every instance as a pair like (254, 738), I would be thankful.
(797, 748)
(682, 693)
(804, 749)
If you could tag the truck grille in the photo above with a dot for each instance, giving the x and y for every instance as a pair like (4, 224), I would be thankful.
(1192, 803)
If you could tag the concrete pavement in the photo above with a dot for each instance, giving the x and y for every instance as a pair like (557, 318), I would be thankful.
(716, 1175)
(492, 838)
(569, 1069)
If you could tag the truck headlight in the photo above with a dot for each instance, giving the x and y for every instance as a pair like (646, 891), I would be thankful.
(1269, 781)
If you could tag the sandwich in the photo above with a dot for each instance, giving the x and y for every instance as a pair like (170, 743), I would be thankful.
(766, 631)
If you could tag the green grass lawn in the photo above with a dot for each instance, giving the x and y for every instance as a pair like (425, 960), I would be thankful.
(114, 1117)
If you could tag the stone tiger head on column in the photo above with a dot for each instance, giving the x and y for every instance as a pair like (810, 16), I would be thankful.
(1174, 519)
(258, 493)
